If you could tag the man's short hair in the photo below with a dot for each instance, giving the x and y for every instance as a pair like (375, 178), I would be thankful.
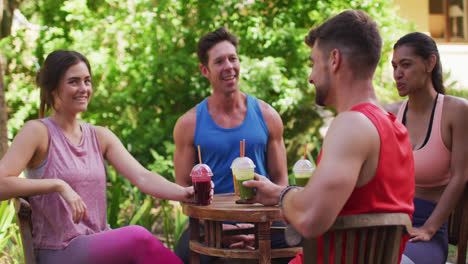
(209, 40)
(354, 34)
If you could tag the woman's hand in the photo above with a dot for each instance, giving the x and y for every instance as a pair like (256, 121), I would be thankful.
(190, 192)
(420, 234)
(78, 207)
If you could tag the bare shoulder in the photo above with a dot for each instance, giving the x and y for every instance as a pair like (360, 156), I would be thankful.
(105, 137)
(31, 143)
(352, 128)
(35, 125)
(272, 118)
(353, 120)
(393, 107)
(185, 125)
(103, 132)
(34, 131)
(456, 108)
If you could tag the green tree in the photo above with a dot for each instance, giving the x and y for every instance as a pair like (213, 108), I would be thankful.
(146, 74)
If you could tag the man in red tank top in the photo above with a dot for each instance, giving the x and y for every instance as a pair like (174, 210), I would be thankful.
(366, 163)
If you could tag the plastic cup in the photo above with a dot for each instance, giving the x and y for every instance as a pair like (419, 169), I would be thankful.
(303, 170)
(201, 180)
(243, 170)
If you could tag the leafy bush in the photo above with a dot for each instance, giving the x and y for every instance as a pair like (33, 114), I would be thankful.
(145, 74)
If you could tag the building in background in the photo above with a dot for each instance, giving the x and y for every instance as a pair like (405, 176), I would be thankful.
(447, 22)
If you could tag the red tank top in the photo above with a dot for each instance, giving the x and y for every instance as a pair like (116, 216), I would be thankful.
(392, 187)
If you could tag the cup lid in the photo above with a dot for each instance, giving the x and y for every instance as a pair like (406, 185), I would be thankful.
(242, 163)
(201, 170)
(303, 165)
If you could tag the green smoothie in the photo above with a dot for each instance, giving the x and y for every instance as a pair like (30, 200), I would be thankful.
(243, 175)
(302, 178)
(245, 192)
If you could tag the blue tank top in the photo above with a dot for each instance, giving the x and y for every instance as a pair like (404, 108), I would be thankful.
(220, 146)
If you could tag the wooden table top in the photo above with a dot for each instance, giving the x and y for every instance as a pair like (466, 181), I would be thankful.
(223, 207)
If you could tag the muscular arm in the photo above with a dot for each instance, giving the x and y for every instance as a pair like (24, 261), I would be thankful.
(458, 169)
(28, 142)
(184, 154)
(149, 182)
(350, 141)
(276, 151)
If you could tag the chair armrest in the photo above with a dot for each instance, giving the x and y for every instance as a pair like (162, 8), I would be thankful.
(22, 207)
(23, 213)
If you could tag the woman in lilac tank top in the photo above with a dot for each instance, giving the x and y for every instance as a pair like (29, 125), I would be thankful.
(437, 126)
(66, 176)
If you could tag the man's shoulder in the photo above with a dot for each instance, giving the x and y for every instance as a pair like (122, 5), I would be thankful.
(187, 121)
(266, 108)
(189, 115)
(271, 116)
(347, 122)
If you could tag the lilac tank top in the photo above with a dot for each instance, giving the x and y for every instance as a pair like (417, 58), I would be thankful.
(83, 168)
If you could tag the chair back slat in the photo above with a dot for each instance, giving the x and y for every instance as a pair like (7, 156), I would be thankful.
(326, 247)
(379, 256)
(394, 237)
(458, 227)
(350, 245)
(372, 245)
(311, 245)
(338, 246)
(362, 243)
(367, 238)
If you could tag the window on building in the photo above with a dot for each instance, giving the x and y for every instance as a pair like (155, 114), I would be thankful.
(448, 20)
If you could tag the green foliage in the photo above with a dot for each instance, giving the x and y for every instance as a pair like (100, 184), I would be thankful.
(10, 240)
(146, 75)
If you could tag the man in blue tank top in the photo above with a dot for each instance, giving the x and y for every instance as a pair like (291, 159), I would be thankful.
(220, 122)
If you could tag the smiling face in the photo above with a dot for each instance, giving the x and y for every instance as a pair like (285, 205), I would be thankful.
(320, 75)
(74, 89)
(411, 72)
(223, 68)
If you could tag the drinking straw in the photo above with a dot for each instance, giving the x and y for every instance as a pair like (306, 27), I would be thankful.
(240, 147)
(243, 147)
(199, 155)
(305, 150)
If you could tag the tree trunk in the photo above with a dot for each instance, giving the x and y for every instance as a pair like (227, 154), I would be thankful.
(6, 18)
(3, 116)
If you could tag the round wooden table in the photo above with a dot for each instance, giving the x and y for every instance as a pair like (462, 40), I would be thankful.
(224, 208)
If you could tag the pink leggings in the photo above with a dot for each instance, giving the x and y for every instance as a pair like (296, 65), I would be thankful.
(126, 245)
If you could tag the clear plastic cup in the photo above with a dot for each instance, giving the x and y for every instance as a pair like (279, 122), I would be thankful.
(201, 180)
(243, 170)
(303, 170)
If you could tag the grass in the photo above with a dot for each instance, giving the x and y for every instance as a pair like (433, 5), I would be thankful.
(452, 255)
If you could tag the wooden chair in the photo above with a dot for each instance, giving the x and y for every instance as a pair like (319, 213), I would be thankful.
(458, 227)
(372, 238)
(23, 214)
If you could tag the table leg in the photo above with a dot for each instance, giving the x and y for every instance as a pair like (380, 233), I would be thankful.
(194, 236)
(264, 242)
